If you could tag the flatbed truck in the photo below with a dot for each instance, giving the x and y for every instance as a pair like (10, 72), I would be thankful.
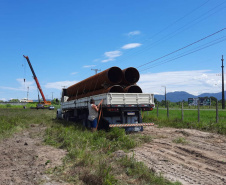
(118, 110)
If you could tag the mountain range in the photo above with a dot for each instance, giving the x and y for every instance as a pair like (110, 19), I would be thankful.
(178, 96)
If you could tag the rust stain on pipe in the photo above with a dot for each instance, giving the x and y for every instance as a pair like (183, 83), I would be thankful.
(112, 89)
(133, 89)
(104, 79)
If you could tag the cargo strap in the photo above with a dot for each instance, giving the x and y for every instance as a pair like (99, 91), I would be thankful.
(132, 125)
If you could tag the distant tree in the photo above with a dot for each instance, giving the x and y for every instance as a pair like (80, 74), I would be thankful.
(213, 99)
(14, 100)
(1, 101)
(162, 103)
(55, 101)
(155, 101)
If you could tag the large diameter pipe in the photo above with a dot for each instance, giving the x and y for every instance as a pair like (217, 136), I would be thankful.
(112, 89)
(109, 77)
(130, 76)
(133, 89)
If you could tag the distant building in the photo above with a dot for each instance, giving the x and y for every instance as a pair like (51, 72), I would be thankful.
(202, 101)
(25, 100)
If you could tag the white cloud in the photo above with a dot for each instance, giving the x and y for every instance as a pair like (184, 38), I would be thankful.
(96, 60)
(133, 33)
(74, 73)
(111, 55)
(194, 82)
(23, 85)
(107, 60)
(88, 66)
(59, 85)
(131, 46)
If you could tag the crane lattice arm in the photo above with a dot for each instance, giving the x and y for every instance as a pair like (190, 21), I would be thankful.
(36, 79)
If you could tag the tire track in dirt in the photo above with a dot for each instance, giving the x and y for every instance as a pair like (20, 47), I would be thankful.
(201, 160)
(24, 159)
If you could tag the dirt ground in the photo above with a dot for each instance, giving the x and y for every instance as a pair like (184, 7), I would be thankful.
(24, 159)
(201, 159)
(184, 155)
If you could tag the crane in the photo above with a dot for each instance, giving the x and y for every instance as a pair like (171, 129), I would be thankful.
(37, 83)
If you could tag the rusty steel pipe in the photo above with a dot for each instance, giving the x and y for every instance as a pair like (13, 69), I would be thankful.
(112, 89)
(130, 76)
(133, 89)
(104, 79)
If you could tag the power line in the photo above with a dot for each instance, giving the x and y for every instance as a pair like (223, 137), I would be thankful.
(178, 20)
(189, 52)
(185, 27)
(183, 55)
(182, 48)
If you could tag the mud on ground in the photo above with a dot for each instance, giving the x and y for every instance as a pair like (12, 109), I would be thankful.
(185, 155)
(24, 159)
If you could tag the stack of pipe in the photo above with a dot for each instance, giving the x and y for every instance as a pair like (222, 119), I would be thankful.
(111, 80)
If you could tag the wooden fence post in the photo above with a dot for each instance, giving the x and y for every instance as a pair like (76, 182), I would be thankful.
(217, 118)
(198, 112)
(157, 110)
(168, 110)
(182, 111)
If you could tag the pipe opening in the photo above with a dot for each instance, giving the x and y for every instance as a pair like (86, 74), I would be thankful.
(131, 75)
(115, 75)
(116, 89)
(133, 89)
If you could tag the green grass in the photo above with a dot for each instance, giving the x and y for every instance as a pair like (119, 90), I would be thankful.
(28, 106)
(93, 154)
(180, 140)
(13, 120)
(90, 158)
(207, 119)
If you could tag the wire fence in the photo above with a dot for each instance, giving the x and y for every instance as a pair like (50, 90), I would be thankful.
(189, 114)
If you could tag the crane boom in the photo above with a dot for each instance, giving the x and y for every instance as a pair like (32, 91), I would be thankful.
(36, 80)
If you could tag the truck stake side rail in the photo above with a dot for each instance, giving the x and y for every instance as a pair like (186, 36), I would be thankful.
(113, 100)
(131, 124)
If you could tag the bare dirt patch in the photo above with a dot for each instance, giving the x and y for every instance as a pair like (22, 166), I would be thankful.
(201, 159)
(24, 159)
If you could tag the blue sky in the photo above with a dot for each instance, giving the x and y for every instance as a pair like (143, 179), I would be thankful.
(66, 39)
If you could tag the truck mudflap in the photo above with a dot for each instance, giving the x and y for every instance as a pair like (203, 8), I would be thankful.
(131, 125)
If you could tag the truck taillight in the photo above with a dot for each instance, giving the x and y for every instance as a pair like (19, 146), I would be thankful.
(113, 109)
(147, 108)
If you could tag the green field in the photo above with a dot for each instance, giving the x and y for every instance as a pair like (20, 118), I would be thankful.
(207, 119)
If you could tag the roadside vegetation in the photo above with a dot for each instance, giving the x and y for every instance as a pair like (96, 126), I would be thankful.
(93, 158)
(99, 157)
(207, 119)
(14, 119)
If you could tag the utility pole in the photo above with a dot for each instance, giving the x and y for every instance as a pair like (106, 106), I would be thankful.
(52, 95)
(223, 100)
(165, 95)
(96, 70)
(27, 92)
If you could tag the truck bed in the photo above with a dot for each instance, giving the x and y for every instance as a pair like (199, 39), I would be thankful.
(112, 100)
